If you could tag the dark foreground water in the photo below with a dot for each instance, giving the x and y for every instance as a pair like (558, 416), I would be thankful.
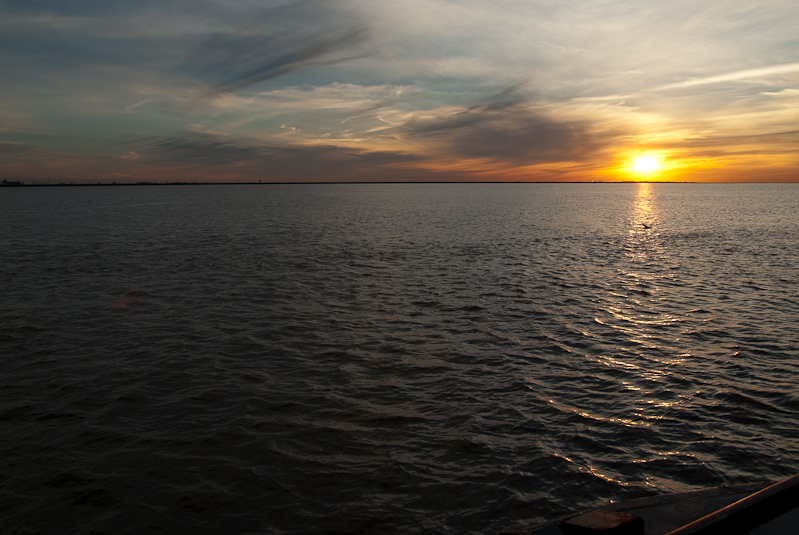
(388, 358)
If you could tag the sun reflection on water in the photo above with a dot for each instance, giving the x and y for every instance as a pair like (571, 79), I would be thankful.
(644, 204)
(640, 309)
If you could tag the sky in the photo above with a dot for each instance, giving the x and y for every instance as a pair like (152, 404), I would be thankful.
(400, 90)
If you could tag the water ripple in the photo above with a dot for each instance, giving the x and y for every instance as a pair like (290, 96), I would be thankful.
(388, 358)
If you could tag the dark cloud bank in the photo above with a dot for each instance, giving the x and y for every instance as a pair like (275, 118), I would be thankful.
(508, 129)
(208, 155)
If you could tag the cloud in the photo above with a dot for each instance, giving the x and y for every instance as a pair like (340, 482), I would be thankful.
(207, 155)
(16, 122)
(11, 149)
(137, 104)
(507, 129)
(232, 60)
(788, 140)
(131, 54)
(748, 75)
(196, 148)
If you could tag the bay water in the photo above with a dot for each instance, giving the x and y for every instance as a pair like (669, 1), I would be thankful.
(388, 358)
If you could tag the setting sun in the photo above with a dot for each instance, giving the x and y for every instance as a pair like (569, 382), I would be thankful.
(646, 164)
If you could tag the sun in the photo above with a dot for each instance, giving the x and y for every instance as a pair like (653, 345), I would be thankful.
(646, 164)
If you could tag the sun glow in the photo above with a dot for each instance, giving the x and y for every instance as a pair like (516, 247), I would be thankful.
(646, 164)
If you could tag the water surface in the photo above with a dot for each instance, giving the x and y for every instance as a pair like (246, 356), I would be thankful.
(388, 358)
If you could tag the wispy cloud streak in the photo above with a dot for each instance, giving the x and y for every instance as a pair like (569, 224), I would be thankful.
(232, 60)
(231, 63)
(749, 74)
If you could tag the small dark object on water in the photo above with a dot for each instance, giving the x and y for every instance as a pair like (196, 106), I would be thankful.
(645, 225)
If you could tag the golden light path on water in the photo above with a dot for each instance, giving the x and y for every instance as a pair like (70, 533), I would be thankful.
(638, 307)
